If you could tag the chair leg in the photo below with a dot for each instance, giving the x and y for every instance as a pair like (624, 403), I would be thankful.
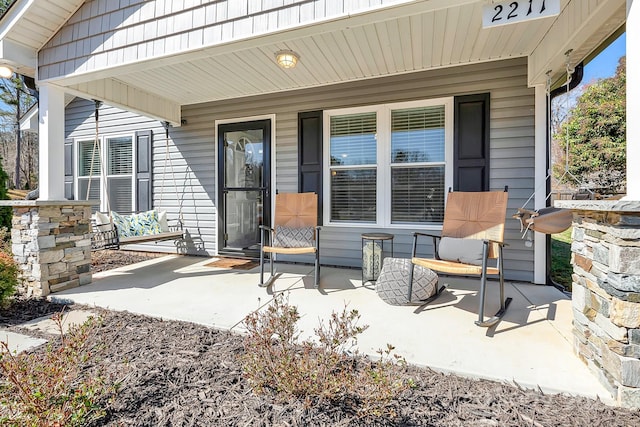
(410, 285)
(504, 303)
(271, 262)
(261, 268)
(261, 257)
(501, 272)
(317, 270)
(483, 283)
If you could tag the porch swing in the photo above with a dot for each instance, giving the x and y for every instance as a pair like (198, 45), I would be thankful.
(550, 220)
(151, 226)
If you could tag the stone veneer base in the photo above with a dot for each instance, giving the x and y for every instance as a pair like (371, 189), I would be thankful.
(606, 293)
(51, 241)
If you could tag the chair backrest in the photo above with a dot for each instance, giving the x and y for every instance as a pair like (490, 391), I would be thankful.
(296, 210)
(476, 215)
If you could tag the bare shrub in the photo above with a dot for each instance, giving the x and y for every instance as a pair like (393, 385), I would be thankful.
(63, 386)
(327, 369)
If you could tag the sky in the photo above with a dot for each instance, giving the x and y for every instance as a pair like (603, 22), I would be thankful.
(604, 65)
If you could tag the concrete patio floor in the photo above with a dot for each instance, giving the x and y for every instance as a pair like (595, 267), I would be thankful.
(531, 346)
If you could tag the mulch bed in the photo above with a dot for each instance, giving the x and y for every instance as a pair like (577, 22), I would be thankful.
(110, 259)
(182, 374)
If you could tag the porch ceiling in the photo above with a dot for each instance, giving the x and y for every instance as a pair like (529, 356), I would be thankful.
(417, 36)
(420, 41)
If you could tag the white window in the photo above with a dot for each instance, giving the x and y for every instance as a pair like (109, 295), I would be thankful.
(388, 165)
(114, 186)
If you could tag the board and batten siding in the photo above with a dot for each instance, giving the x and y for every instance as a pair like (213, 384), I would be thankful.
(511, 152)
(191, 168)
(107, 32)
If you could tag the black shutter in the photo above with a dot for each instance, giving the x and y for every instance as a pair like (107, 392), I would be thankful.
(471, 143)
(310, 155)
(68, 169)
(144, 193)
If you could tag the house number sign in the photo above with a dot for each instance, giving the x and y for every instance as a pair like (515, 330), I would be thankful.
(510, 12)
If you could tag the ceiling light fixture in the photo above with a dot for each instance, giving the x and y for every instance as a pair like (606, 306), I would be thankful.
(287, 59)
(5, 71)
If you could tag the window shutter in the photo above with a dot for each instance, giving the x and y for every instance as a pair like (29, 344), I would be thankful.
(310, 155)
(144, 194)
(471, 142)
(68, 169)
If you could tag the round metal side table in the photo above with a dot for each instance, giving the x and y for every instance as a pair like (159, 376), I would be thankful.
(374, 238)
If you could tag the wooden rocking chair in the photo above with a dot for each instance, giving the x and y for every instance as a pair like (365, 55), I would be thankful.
(294, 232)
(472, 233)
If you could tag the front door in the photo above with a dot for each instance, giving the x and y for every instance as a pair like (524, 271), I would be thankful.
(244, 156)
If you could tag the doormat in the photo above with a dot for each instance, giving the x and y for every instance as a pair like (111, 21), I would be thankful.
(233, 263)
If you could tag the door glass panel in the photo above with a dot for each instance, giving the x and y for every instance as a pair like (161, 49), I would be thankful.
(243, 215)
(244, 158)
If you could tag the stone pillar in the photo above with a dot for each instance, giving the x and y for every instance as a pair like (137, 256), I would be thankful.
(606, 293)
(51, 241)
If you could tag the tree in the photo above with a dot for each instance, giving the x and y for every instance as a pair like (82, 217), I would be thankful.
(18, 99)
(596, 134)
(4, 5)
(5, 211)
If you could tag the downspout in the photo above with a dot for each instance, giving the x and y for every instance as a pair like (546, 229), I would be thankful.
(574, 81)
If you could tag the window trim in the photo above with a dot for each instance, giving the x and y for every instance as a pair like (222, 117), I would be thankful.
(383, 156)
(103, 173)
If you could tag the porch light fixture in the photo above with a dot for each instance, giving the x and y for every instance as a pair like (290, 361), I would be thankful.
(5, 71)
(287, 59)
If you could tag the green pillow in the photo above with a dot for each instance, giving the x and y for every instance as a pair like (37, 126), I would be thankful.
(122, 223)
(144, 224)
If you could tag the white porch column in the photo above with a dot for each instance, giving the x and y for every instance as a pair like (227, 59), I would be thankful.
(633, 100)
(540, 198)
(51, 137)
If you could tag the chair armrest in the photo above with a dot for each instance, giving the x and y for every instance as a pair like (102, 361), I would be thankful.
(270, 231)
(435, 238)
(417, 233)
(496, 242)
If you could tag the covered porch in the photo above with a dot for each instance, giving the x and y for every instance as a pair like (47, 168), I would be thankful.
(532, 346)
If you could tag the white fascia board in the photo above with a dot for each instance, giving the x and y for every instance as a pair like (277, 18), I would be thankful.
(29, 121)
(13, 15)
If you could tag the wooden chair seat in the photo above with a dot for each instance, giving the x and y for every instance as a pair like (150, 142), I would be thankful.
(452, 267)
(288, 251)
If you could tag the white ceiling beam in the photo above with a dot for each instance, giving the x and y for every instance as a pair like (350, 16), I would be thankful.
(121, 95)
(21, 58)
